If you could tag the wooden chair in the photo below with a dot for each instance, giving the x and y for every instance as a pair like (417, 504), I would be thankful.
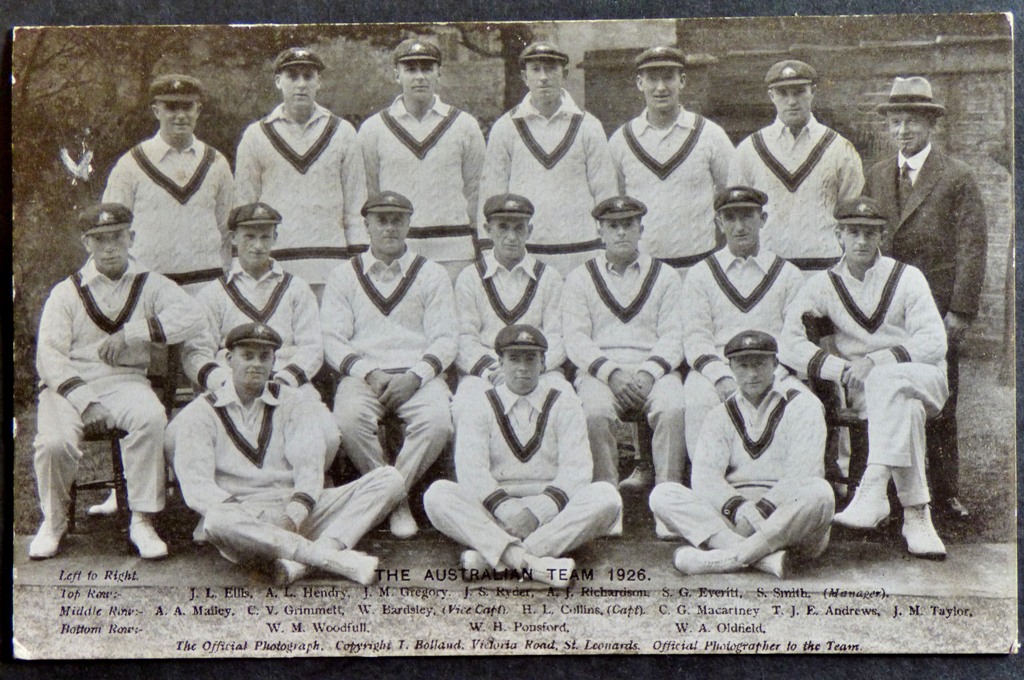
(164, 377)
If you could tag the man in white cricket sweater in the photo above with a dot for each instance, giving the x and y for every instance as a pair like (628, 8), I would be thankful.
(507, 286)
(758, 490)
(389, 328)
(891, 345)
(249, 458)
(666, 153)
(524, 495)
(178, 188)
(258, 290)
(805, 168)
(551, 150)
(95, 335)
(623, 331)
(430, 152)
(744, 286)
(305, 161)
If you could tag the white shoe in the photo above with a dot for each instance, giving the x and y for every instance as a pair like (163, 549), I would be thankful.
(777, 564)
(352, 564)
(692, 561)
(870, 504)
(472, 560)
(107, 507)
(616, 528)
(663, 533)
(401, 521)
(641, 479)
(287, 572)
(46, 542)
(919, 532)
(144, 536)
(554, 571)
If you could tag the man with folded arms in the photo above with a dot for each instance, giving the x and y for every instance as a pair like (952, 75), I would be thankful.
(179, 189)
(430, 152)
(758, 489)
(506, 286)
(95, 336)
(390, 329)
(551, 150)
(249, 458)
(891, 346)
(524, 495)
(667, 153)
(305, 161)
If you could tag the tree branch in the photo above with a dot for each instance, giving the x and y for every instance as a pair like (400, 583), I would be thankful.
(468, 43)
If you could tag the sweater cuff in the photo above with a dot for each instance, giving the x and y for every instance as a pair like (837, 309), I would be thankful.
(730, 507)
(715, 369)
(214, 376)
(825, 366)
(656, 366)
(765, 507)
(427, 368)
(602, 368)
(78, 393)
(293, 375)
(353, 366)
(481, 366)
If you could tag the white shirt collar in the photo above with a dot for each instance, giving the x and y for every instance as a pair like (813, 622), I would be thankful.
(509, 398)
(236, 270)
(492, 266)
(763, 259)
(567, 107)
(684, 120)
(279, 114)
(773, 391)
(404, 262)
(398, 109)
(641, 263)
(226, 394)
(90, 273)
(881, 265)
(812, 129)
(161, 148)
(917, 160)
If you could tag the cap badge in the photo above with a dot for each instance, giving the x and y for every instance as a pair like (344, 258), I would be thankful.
(510, 204)
(259, 212)
(524, 337)
(862, 207)
(788, 71)
(301, 53)
(259, 330)
(176, 85)
(104, 218)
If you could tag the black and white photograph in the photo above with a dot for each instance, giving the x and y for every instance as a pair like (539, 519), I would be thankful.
(652, 336)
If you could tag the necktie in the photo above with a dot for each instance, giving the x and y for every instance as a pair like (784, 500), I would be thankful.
(905, 186)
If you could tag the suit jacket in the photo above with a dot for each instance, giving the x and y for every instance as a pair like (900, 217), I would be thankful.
(941, 231)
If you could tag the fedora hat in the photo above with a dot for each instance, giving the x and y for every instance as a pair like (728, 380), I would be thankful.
(912, 94)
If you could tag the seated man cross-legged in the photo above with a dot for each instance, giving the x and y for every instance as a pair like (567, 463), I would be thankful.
(524, 495)
(249, 457)
(758, 488)
(891, 346)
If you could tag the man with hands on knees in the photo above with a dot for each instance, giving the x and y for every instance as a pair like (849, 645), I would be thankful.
(95, 335)
(622, 328)
(524, 495)
(249, 458)
(758, 491)
(389, 328)
(891, 346)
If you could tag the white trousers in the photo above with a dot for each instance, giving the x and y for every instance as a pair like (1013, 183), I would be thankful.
(244, 532)
(428, 426)
(57, 445)
(897, 400)
(800, 522)
(455, 511)
(700, 397)
(664, 410)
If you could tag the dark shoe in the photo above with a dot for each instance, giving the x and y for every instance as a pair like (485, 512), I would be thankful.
(951, 508)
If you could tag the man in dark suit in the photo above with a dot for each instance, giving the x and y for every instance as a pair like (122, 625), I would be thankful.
(937, 224)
